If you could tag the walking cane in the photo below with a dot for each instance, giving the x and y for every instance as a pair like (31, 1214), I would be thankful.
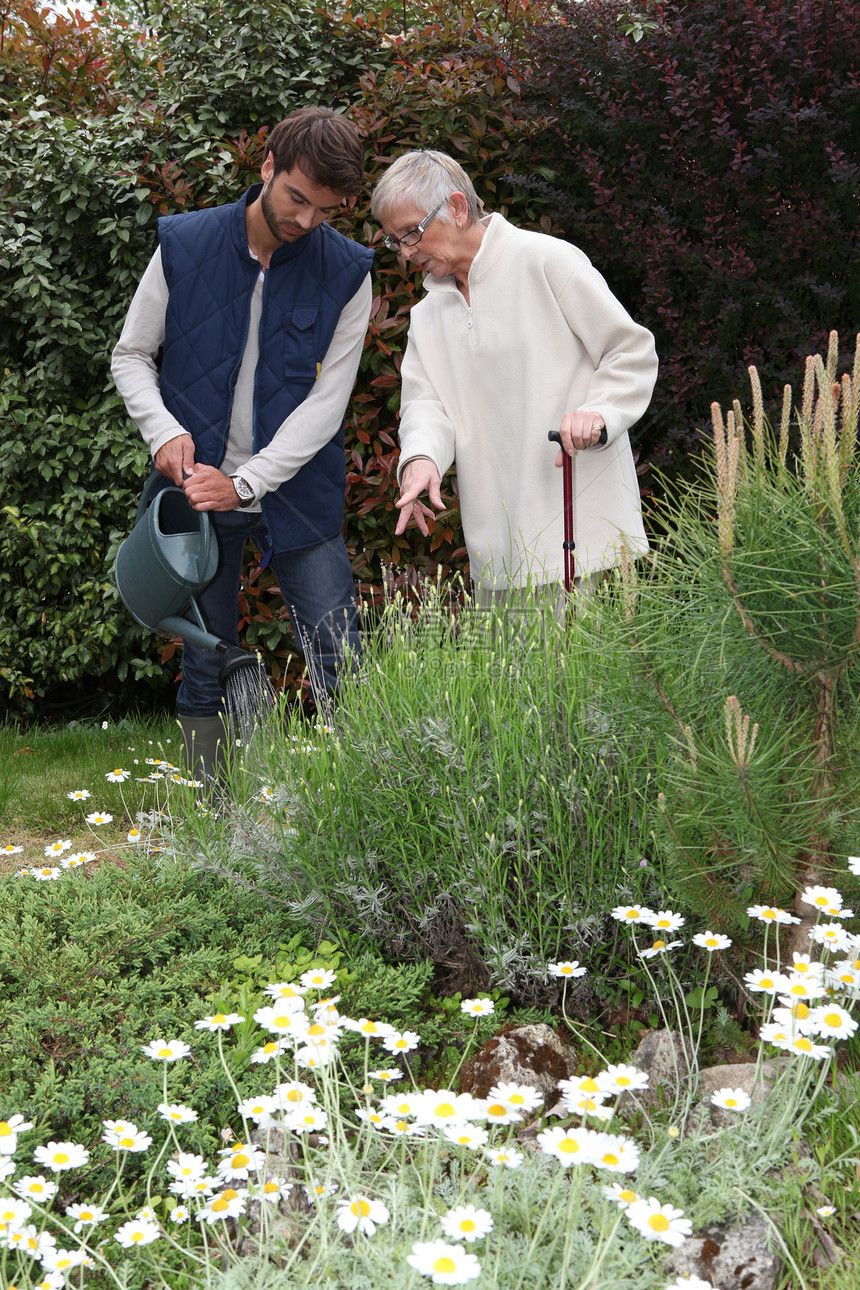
(567, 474)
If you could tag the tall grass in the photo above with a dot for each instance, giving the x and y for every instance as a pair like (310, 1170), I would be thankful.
(472, 798)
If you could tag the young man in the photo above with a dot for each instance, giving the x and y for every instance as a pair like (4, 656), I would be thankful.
(260, 310)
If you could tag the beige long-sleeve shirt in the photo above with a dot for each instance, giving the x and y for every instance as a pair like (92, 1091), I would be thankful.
(484, 382)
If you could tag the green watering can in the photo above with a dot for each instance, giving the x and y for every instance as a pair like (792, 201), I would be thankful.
(169, 557)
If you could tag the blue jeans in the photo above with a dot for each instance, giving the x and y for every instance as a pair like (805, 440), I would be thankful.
(318, 590)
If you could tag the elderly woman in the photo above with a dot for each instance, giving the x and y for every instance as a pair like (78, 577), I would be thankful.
(517, 334)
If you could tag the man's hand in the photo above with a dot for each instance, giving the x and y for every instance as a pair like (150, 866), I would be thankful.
(579, 429)
(209, 489)
(419, 476)
(175, 458)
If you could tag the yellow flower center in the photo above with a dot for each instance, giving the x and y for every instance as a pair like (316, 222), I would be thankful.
(628, 1196)
(710, 940)
(444, 1111)
(5, 1131)
(218, 1019)
(833, 1020)
(85, 1216)
(126, 1142)
(283, 1021)
(219, 1205)
(622, 1081)
(36, 1188)
(632, 913)
(731, 1101)
(240, 1161)
(659, 1223)
(767, 983)
(294, 1095)
(588, 1085)
(610, 1159)
(444, 1264)
(517, 1099)
(768, 913)
(229, 1194)
(165, 1052)
(316, 1029)
(467, 1225)
(269, 1187)
(803, 1044)
(270, 1047)
(496, 1109)
(659, 945)
(569, 1146)
(61, 1158)
(360, 1208)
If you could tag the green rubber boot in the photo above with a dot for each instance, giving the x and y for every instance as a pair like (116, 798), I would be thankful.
(205, 740)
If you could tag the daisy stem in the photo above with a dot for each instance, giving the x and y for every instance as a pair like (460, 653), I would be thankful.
(466, 1051)
(226, 1068)
(538, 1232)
(603, 1248)
(569, 1225)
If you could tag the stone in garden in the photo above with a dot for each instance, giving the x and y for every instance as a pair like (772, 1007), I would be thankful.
(730, 1257)
(533, 1055)
(664, 1056)
(287, 1221)
(758, 1083)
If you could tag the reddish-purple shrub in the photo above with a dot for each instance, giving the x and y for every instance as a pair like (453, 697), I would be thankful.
(710, 170)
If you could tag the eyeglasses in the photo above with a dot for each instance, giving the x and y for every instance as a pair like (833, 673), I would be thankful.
(414, 236)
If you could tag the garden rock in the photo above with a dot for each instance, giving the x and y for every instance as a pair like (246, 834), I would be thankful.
(758, 1084)
(664, 1055)
(533, 1055)
(285, 1222)
(730, 1257)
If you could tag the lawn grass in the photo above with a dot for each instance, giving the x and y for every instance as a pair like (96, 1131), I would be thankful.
(40, 765)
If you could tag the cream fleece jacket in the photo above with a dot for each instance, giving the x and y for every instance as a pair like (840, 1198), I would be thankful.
(484, 383)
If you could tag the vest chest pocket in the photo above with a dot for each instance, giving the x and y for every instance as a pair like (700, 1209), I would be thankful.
(300, 348)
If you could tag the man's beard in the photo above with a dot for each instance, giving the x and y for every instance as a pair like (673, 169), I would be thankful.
(272, 222)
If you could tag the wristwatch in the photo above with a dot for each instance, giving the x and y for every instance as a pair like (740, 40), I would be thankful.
(243, 489)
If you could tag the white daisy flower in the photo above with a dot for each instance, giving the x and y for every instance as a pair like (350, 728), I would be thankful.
(763, 981)
(9, 1130)
(659, 1222)
(730, 1099)
(466, 1223)
(504, 1157)
(36, 1187)
(176, 1113)
(620, 1078)
(834, 935)
(570, 1146)
(821, 897)
(478, 1007)
(401, 1041)
(179, 1214)
(444, 1264)
(57, 848)
(621, 1196)
(615, 1153)
(361, 1214)
(711, 941)
(11, 849)
(128, 1139)
(239, 1161)
(286, 990)
(520, 1097)
(99, 818)
(282, 1018)
(47, 873)
(272, 1048)
(317, 978)
(77, 860)
(166, 1050)
(470, 1136)
(633, 914)
(59, 1156)
(118, 776)
(665, 920)
(228, 1203)
(85, 1216)
(219, 1021)
(274, 1189)
(771, 914)
(566, 969)
(659, 947)
(833, 1022)
(78, 795)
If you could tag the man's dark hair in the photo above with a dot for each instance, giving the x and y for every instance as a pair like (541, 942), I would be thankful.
(321, 143)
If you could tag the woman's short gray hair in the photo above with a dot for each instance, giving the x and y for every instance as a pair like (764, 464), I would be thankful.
(424, 180)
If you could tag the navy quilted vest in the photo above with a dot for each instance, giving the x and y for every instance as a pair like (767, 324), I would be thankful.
(211, 275)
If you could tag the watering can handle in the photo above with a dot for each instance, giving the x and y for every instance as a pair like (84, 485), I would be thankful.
(205, 523)
(147, 494)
